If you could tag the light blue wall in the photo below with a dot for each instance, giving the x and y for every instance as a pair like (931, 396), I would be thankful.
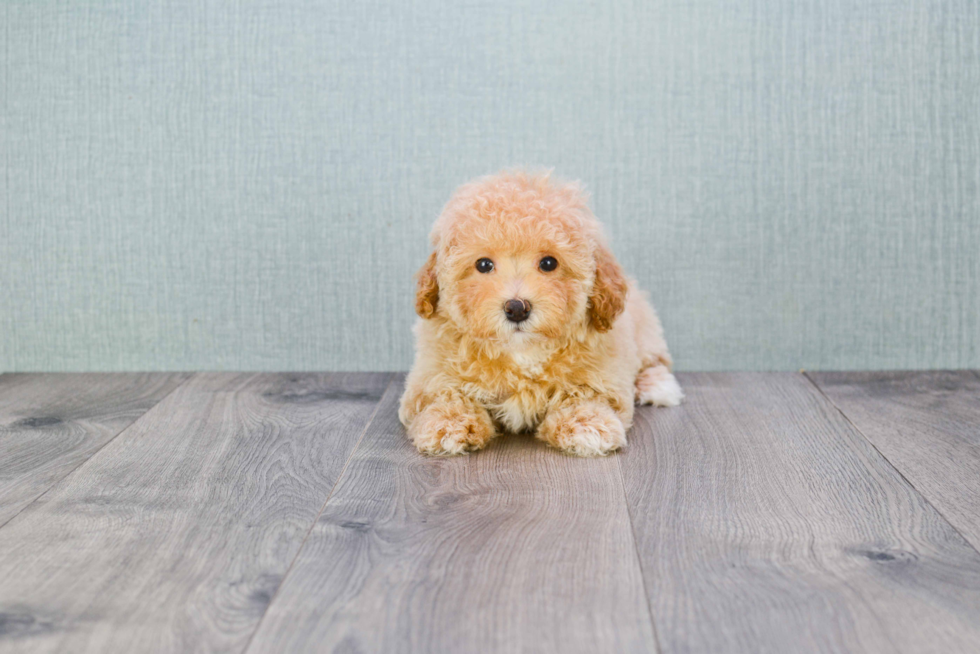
(249, 185)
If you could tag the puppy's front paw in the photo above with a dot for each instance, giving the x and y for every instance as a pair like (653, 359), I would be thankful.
(451, 428)
(657, 386)
(587, 429)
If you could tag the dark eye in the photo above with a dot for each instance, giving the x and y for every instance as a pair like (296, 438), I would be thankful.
(484, 265)
(548, 264)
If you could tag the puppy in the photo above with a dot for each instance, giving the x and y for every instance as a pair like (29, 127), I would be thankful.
(527, 323)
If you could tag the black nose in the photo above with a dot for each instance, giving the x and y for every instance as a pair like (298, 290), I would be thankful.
(517, 310)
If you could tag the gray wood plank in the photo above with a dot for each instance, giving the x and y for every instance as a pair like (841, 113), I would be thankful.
(175, 536)
(927, 424)
(766, 523)
(515, 548)
(51, 423)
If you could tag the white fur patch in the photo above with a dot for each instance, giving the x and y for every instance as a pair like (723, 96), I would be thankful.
(658, 387)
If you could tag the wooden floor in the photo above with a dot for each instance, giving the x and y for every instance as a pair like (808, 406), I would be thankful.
(830, 512)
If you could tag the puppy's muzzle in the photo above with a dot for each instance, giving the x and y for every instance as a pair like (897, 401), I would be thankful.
(517, 310)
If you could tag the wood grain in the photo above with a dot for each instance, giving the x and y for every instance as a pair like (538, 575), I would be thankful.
(514, 549)
(927, 424)
(49, 424)
(175, 536)
(766, 523)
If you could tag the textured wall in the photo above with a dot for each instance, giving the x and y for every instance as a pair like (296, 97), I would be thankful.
(215, 185)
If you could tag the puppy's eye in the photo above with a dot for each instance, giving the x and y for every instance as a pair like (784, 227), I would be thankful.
(548, 264)
(484, 265)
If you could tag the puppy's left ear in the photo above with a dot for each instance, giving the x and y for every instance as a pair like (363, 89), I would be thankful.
(608, 297)
(427, 288)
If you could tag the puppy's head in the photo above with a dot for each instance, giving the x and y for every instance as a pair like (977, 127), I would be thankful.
(518, 258)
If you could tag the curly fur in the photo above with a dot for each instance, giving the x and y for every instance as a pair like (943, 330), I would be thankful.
(427, 289)
(591, 346)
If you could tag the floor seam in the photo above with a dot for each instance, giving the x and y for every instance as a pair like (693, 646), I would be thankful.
(323, 507)
(891, 465)
(636, 552)
(96, 452)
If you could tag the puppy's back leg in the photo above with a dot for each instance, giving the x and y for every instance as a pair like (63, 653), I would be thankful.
(654, 384)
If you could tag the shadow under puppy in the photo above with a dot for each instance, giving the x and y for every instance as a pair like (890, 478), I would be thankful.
(529, 323)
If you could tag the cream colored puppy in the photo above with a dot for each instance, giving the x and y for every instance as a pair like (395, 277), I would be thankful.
(528, 323)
